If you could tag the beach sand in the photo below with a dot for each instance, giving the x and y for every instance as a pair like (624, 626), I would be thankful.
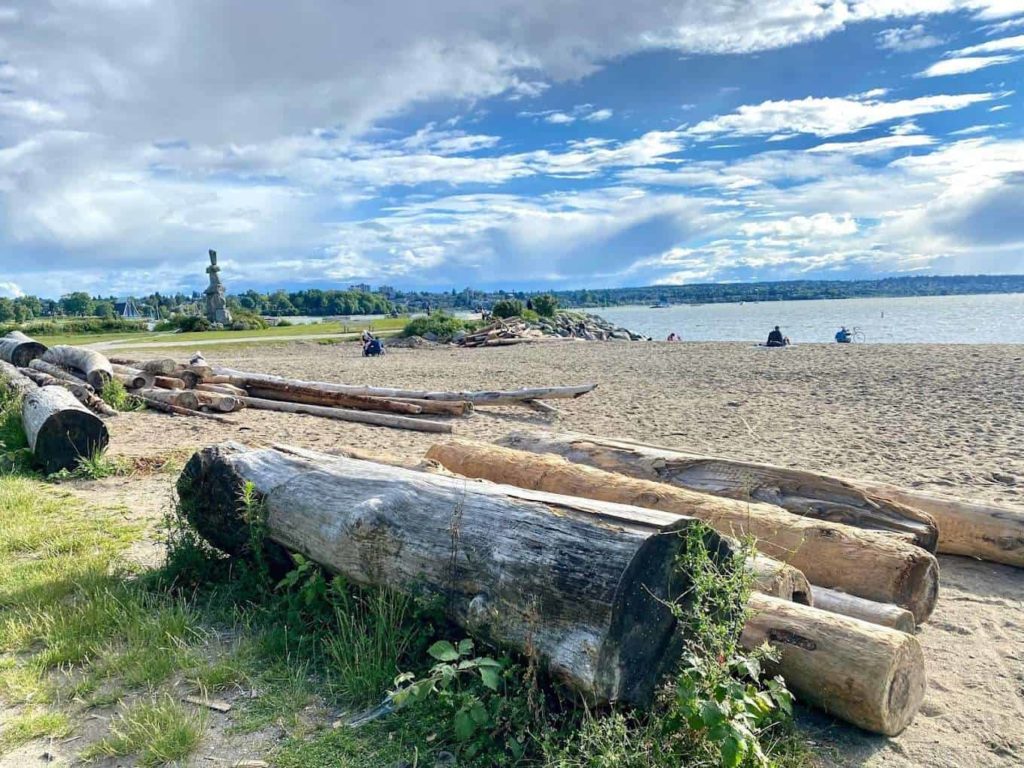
(946, 419)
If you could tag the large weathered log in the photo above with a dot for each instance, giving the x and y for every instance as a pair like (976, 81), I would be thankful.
(180, 397)
(15, 381)
(773, 577)
(439, 407)
(19, 350)
(169, 382)
(95, 366)
(522, 568)
(868, 675)
(132, 378)
(513, 397)
(362, 417)
(218, 402)
(57, 372)
(60, 430)
(315, 396)
(883, 614)
(82, 391)
(162, 367)
(222, 389)
(177, 410)
(869, 564)
(809, 494)
(985, 531)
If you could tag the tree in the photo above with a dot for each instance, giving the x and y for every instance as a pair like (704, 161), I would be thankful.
(507, 308)
(545, 305)
(77, 303)
(103, 309)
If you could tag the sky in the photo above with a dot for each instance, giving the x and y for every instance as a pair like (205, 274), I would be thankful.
(528, 144)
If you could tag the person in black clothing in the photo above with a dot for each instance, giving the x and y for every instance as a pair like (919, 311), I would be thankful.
(776, 339)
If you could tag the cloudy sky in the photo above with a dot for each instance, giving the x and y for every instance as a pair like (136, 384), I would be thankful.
(506, 143)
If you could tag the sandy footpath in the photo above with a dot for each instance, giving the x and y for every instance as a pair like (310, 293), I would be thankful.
(948, 419)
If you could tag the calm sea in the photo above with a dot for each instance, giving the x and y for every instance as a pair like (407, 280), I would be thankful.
(992, 319)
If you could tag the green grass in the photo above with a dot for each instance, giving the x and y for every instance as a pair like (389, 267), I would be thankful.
(34, 724)
(158, 732)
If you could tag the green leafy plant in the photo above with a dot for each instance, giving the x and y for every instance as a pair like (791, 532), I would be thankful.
(507, 308)
(545, 305)
(441, 324)
(116, 396)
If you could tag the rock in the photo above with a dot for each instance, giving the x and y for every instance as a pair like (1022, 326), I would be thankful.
(458, 336)
(430, 336)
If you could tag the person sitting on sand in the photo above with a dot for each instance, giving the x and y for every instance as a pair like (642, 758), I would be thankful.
(776, 339)
(367, 337)
(843, 336)
(674, 337)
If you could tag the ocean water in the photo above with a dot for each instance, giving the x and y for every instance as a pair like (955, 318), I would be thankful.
(991, 319)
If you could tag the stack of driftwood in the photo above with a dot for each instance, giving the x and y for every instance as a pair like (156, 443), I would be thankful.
(501, 333)
(567, 547)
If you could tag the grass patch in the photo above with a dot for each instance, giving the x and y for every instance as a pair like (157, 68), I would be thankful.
(116, 396)
(34, 724)
(158, 732)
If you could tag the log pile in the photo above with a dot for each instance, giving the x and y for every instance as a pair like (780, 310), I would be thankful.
(564, 325)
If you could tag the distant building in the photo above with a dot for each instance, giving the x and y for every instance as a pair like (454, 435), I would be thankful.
(386, 290)
(361, 287)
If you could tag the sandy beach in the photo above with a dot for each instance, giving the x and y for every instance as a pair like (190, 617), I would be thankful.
(946, 419)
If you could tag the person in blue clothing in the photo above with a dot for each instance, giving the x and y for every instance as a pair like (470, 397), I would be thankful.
(843, 336)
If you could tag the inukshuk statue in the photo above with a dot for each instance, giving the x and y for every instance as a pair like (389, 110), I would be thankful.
(216, 306)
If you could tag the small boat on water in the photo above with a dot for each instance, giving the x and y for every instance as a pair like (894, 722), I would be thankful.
(660, 305)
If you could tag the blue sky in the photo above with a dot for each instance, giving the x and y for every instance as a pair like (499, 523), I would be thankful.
(514, 143)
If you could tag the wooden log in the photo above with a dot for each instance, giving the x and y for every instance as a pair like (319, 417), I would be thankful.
(439, 407)
(15, 381)
(132, 378)
(809, 494)
(218, 402)
(984, 531)
(868, 675)
(190, 379)
(869, 564)
(520, 568)
(161, 367)
(362, 417)
(95, 366)
(512, 397)
(60, 430)
(883, 614)
(182, 398)
(82, 392)
(57, 372)
(177, 410)
(773, 577)
(541, 407)
(168, 382)
(314, 396)
(19, 350)
(222, 389)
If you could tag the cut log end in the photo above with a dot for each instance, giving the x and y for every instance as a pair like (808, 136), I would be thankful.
(60, 430)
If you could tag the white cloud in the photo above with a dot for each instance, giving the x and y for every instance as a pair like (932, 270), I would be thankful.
(559, 118)
(818, 225)
(994, 46)
(964, 65)
(974, 130)
(599, 115)
(10, 290)
(880, 144)
(904, 39)
(827, 116)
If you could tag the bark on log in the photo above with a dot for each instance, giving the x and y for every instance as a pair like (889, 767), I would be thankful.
(177, 410)
(775, 578)
(218, 402)
(132, 378)
(60, 430)
(83, 392)
(362, 417)
(883, 614)
(162, 367)
(524, 569)
(57, 372)
(809, 494)
(316, 396)
(95, 366)
(19, 350)
(513, 397)
(14, 381)
(869, 564)
(985, 531)
(182, 398)
(222, 389)
(168, 382)
(439, 407)
(868, 675)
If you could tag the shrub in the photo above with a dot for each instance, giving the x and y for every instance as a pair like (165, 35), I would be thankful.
(507, 308)
(76, 326)
(545, 305)
(442, 325)
(190, 323)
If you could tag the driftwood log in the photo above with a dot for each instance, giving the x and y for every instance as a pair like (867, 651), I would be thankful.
(883, 614)
(57, 372)
(19, 350)
(60, 430)
(869, 564)
(868, 675)
(162, 367)
(809, 494)
(217, 401)
(132, 378)
(362, 417)
(775, 578)
(985, 531)
(222, 389)
(82, 391)
(169, 382)
(15, 381)
(512, 397)
(182, 398)
(315, 396)
(91, 363)
(177, 410)
(522, 568)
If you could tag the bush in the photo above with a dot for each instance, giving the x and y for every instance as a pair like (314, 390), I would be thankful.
(442, 325)
(507, 308)
(545, 305)
(190, 323)
(83, 325)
